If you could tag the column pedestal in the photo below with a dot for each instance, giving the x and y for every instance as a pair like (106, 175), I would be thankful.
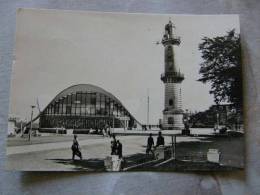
(173, 121)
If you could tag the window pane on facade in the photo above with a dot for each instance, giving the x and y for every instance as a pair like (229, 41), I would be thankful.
(93, 99)
(68, 109)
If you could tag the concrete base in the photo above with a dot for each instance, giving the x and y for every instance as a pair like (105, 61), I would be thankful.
(159, 152)
(173, 122)
(113, 163)
(213, 155)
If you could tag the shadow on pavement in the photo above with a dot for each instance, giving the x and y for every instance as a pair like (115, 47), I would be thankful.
(83, 165)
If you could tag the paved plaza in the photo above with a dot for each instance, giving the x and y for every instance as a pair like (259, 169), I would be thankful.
(53, 152)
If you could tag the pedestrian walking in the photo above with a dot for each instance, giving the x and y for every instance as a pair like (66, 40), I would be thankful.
(119, 149)
(150, 144)
(103, 132)
(160, 139)
(75, 148)
(113, 145)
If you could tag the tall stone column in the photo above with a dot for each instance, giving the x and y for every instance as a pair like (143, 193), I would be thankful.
(172, 79)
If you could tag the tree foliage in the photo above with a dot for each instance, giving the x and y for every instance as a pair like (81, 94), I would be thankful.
(222, 67)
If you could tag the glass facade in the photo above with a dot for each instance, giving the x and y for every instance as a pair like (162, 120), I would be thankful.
(85, 110)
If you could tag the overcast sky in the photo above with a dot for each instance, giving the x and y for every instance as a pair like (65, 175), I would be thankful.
(115, 51)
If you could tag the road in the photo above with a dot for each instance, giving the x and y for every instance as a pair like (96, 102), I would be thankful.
(37, 156)
(54, 153)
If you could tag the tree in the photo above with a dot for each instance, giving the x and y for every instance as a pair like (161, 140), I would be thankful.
(222, 67)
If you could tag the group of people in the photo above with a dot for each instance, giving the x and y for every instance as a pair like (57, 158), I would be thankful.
(150, 142)
(116, 147)
(105, 131)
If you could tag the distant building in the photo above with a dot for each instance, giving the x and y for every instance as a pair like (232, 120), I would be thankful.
(224, 114)
(83, 107)
(12, 124)
(11, 127)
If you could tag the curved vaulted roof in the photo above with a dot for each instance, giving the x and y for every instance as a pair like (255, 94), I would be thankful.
(85, 88)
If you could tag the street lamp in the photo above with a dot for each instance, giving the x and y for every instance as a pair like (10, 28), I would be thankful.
(186, 130)
(29, 133)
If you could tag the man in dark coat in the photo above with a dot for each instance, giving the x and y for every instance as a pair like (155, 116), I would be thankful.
(113, 145)
(75, 148)
(150, 144)
(160, 140)
(119, 149)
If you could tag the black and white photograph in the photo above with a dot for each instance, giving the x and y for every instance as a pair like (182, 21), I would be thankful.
(108, 91)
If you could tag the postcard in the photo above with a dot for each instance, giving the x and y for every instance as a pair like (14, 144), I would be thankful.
(97, 91)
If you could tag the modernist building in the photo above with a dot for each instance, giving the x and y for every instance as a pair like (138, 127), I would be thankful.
(85, 106)
(172, 79)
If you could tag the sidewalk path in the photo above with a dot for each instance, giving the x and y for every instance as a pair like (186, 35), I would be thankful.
(97, 140)
(58, 145)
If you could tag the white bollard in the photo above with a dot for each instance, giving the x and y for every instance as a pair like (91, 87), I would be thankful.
(113, 163)
(159, 152)
(108, 163)
(116, 163)
(213, 155)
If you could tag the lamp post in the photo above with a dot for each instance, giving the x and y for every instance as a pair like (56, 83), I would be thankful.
(148, 108)
(113, 124)
(29, 133)
(186, 130)
(21, 126)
